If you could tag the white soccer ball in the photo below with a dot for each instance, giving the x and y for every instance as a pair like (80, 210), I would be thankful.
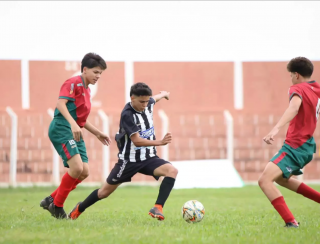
(192, 211)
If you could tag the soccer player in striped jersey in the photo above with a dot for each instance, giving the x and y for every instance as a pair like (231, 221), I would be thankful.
(299, 145)
(65, 131)
(137, 143)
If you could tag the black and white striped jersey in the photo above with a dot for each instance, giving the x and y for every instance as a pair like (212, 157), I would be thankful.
(132, 122)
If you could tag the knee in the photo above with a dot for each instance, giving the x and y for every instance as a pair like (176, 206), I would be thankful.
(84, 174)
(77, 169)
(264, 182)
(172, 172)
(261, 181)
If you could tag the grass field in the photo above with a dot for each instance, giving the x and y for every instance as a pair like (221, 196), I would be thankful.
(232, 216)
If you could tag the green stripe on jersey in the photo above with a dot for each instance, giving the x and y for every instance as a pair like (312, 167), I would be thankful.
(68, 98)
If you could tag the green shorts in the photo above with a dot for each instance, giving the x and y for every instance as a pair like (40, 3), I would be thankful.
(291, 160)
(61, 137)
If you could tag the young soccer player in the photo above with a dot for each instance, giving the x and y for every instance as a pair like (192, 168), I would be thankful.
(65, 132)
(299, 145)
(137, 152)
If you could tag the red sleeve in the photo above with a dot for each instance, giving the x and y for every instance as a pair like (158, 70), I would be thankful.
(295, 91)
(68, 90)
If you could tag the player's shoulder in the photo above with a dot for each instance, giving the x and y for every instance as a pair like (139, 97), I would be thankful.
(127, 111)
(298, 87)
(75, 79)
(151, 101)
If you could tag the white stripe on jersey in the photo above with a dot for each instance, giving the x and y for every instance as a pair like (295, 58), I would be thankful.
(121, 156)
(132, 157)
(143, 150)
(149, 116)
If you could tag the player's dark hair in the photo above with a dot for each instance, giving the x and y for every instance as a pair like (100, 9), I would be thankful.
(91, 60)
(301, 65)
(140, 89)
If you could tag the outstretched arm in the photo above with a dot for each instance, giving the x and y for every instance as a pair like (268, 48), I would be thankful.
(100, 135)
(162, 94)
(288, 115)
(141, 142)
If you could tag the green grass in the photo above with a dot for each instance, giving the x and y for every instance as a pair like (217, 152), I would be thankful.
(232, 216)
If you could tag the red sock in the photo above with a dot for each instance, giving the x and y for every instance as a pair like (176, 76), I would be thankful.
(75, 184)
(308, 192)
(64, 189)
(53, 194)
(280, 205)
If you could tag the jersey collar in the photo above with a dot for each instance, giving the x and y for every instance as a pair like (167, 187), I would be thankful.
(135, 110)
(84, 85)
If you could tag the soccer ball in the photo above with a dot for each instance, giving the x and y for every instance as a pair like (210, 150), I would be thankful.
(192, 211)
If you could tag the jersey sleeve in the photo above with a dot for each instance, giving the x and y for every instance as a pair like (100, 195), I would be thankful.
(128, 124)
(294, 91)
(68, 91)
(151, 101)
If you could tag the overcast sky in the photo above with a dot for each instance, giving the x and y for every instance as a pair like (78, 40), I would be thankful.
(160, 30)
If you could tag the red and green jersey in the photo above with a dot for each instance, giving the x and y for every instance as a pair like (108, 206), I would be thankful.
(79, 103)
(302, 127)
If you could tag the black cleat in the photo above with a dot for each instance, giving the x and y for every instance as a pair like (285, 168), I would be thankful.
(57, 212)
(292, 225)
(46, 202)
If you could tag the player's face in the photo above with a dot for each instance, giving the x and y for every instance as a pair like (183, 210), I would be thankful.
(294, 77)
(92, 75)
(140, 103)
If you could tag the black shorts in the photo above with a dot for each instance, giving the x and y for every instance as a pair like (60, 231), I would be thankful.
(123, 171)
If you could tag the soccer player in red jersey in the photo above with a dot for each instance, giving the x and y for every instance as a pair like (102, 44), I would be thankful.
(299, 145)
(65, 132)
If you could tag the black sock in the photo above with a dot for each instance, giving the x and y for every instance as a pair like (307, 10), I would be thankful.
(165, 189)
(91, 199)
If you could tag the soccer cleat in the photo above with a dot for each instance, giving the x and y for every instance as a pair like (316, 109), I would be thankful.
(75, 213)
(57, 212)
(46, 202)
(294, 224)
(156, 212)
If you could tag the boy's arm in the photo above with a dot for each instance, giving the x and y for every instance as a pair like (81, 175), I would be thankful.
(288, 115)
(141, 142)
(62, 107)
(163, 94)
(105, 139)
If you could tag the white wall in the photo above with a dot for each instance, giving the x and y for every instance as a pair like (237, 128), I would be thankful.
(160, 30)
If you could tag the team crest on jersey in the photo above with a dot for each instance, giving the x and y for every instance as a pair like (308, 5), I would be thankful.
(71, 88)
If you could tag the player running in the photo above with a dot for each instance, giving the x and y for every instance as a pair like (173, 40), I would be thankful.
(299, 145)
(137, 152)
(65, 133)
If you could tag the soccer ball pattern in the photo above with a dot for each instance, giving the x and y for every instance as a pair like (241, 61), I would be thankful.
(193, 211)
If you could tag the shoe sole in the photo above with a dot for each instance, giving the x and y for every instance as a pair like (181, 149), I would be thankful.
(159, 217)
